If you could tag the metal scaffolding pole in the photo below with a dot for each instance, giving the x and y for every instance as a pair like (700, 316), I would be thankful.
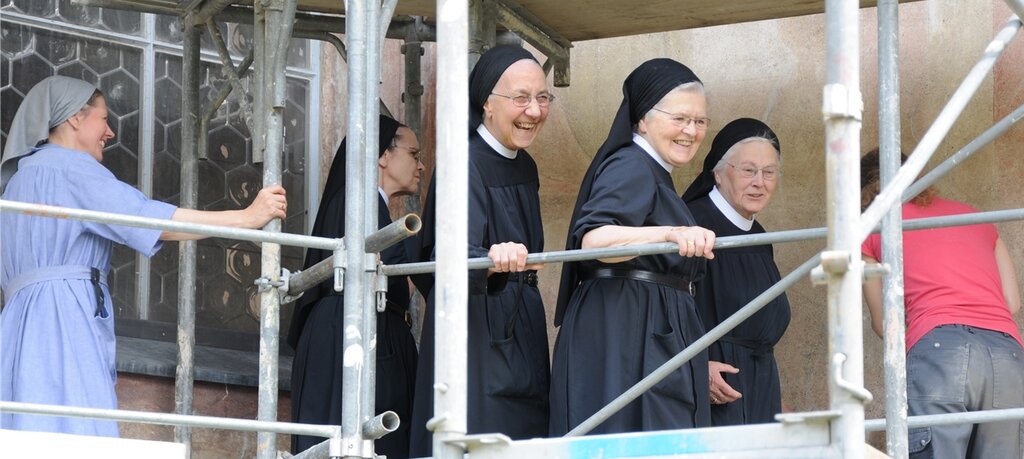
(184, 375)
(895, 357)
(354, 364)
(277, 26)
(368, 195)
(146, 417)
(966, 152)
(842, 106)
(412, 49)
(482, 24)
(451, 290)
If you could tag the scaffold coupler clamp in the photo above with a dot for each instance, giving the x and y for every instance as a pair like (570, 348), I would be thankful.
(356, 446)
(381, 287)
(833, 263)
(841, 101)
(339, 269)
(263, 284)
(286, 278)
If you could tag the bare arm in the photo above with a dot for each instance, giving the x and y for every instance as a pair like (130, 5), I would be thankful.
(873, 297)
(269, 204)
(692, 240)
(1008, 276)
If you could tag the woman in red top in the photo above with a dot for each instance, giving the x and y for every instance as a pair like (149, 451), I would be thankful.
(960, 292)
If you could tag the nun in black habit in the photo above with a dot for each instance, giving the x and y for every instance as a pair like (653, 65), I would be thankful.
(740, 174)
(507, 346)
(622, 318)
(316, 331)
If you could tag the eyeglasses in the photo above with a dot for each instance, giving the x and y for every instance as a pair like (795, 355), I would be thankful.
(683, 121)
(522, 101)
(415, 152)
(767, 173)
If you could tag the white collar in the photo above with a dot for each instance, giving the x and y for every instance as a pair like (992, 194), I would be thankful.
(381, 191)
(726, 209)
(642, 142)
(493, 142)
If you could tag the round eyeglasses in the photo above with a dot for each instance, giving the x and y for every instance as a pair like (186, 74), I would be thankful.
(767, 173)
(683, 121)
(524, 101)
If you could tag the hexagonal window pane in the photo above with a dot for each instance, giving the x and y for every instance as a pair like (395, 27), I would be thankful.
(121, 21)
(15, 39)
(121, 91)
(101, 57)
(40, 8)
(78, 14)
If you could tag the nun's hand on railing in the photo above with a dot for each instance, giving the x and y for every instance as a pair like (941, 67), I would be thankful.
(693, 241)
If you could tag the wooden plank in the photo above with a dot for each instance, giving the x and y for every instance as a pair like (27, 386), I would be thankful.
(579, 20)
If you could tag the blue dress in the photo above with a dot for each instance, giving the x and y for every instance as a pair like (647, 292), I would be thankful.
(56, 341)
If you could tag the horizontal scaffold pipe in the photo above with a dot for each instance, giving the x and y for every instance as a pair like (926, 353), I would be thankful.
(949, 419)
(383, 238)
(692, 350)
(241, 234)
(728, 242)
(143, 417)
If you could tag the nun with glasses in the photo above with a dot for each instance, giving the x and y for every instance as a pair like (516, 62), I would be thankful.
(739, 177)
(622, 318)
(508, 372)
(317, 329)
(57, 327)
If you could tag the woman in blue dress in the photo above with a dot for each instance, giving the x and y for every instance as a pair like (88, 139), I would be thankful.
(56, 328)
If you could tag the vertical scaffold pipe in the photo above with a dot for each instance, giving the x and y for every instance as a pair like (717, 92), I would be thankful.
(278, 20)
(368, 194)
(184, 374)
(842, 107)
(353, 356)
(451, 289)
(892, 231)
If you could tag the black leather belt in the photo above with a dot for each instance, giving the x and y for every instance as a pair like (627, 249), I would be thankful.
(677, 283)
(758, 348)
(525, 277)
(399, 311)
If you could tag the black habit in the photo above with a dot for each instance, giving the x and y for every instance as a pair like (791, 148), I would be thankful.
(735, 277)
(508, 347)
(317, 328)
(615, 327)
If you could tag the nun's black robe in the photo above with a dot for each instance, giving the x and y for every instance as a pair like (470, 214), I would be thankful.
(734, 277)
(317, 369)
(508, 375)
(617, 330)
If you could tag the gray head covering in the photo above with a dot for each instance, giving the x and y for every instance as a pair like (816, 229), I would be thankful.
(48, 104)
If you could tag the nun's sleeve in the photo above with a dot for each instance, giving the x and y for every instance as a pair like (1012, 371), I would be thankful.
(623, 194)
(479, 243)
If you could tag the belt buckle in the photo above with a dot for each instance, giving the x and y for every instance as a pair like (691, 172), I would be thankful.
(689, 286)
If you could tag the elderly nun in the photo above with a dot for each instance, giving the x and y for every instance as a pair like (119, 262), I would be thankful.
(317, 329)
(622, 318)
(508, 346)
(740, 174)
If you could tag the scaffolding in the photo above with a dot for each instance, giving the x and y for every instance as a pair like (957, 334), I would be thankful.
(462, 32)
